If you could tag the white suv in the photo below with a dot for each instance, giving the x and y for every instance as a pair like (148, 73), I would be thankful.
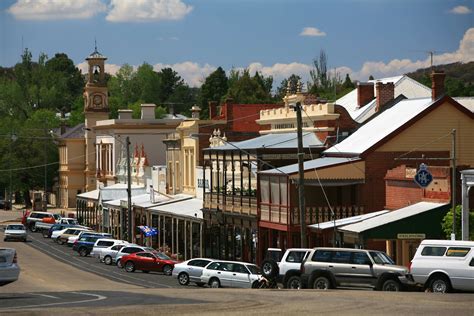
(444, 265)
(103, 244)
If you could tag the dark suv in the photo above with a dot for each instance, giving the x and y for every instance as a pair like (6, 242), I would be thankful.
(327, 268)
(85, 244)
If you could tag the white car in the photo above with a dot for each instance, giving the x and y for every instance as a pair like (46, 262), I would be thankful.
(55, 234)
(72, 239)
(15, 232)
(103, 244)
(444, 265)
(9, 269)
(108, 254)
(190, 270)
(231, 274)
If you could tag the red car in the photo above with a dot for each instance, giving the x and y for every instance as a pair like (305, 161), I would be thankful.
(148, 261)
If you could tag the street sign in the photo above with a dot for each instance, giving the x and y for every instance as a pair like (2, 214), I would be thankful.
(423, 177)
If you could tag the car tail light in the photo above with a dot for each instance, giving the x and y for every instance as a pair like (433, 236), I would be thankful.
(15, 259)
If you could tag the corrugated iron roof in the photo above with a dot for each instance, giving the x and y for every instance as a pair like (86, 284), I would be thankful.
(311, 164)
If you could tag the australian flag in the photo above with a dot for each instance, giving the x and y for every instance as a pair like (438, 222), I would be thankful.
(148, 231)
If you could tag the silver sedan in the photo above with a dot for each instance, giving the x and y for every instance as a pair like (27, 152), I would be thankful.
(190, 271)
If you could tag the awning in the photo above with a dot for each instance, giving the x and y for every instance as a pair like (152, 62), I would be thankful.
(346, 221)
(423, 218)
(148, 231)
(91, 195)
(191, 208)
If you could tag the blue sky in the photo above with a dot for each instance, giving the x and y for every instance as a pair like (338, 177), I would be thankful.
(360, 37)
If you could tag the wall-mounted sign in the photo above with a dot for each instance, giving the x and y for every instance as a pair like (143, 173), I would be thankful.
(423, 177)
(411, 236)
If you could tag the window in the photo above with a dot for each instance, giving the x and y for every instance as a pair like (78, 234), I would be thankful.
(264, 190)
(226, 266)
(214, 266)
(457, 252)
(471, 263)
(117, 247)
(275, 190)
(341, 257)
(105, 243)
(253, 269)
(380, 257)
(433, 251)
(239, 268)
(295, 256)
(360, 258)
(322, 256)
(198, 263)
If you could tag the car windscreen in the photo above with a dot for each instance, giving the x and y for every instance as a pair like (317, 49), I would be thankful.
(253, 269)
(162, 256)
(381, 258)
(16, 227)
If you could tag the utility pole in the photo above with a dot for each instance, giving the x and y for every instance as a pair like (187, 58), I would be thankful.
(129, 193)
(453, 182)
(301, 200)
(45, 198)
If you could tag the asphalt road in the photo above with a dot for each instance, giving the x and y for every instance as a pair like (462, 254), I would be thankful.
(50, 285)
(65, 254)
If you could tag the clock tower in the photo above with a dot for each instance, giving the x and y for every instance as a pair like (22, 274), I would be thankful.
(96, 108)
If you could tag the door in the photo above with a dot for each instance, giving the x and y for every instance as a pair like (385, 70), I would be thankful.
(147, 262)
(362, 273)
(194, 269)
(341, 267)
(240, 276)
(225, 274)
(292, 261)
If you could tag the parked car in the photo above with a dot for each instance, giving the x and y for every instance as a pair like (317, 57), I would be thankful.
(327, 268)
(85, 244)
(5, 205)
(190, 271)
(36, 217)
(129, 250)
(444, 265)
(56, 227)
(102, 244)
(148, 261)
(46, 225)
(15, 232)
(231, 274)
(286, 268)
(72, 239)
(73, 231)
(108, 254)
(9, 268)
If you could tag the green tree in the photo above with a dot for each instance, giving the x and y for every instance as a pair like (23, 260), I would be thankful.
(246, 89)
(371, 77)
(281, 90)
(214, 88)
(348, 84)
(447, 223)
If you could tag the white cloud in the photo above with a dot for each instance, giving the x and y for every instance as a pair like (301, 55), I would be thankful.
(312, 31)
(460, 9)
(192, 73)
(147, 10)
(56, 9)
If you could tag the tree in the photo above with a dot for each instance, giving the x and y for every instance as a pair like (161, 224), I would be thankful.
(447, 223)
(348, 84)
(281, 90)
(246, 89)
(319, 73)
(214, 88)
(371, 77)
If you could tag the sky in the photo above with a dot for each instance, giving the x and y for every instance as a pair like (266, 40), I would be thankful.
(382, 38)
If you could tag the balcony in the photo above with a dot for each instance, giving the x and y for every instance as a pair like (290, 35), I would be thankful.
(236, 204)
(314, 214)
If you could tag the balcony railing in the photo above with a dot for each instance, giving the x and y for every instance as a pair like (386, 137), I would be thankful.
(231, 203)
(314, 214)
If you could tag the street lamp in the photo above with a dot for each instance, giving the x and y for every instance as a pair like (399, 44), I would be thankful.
(129, 231)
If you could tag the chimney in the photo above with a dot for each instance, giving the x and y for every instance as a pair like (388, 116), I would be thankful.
(195, 111)
(212, 109)
(148, 111)
(125, 114)
(365, 93)
(385, 92)
(437, 84)
(228, 110)
(171, 109)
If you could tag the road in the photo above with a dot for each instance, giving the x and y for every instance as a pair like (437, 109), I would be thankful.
(49, 285)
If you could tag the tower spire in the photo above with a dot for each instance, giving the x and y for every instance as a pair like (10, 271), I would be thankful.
(95, 44)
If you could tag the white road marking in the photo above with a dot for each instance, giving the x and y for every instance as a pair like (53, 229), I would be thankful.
(97, 297)
(44, 295)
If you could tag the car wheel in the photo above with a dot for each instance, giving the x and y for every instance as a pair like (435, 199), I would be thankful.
(167, 270)
(33, 228)
(145, 271)
(183, 278)
(440, 284)
(214, 283)
(83, 252)
(391, 285)
(294, 283)
(270, 269)
(61, 242)
(119, 264)
(129, 266)
(108, 260)
(321, 283)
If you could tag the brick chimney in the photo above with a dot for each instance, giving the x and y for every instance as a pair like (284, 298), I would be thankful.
(228, 110)
(384, 92)
(437, 84)
(212, 109)
(195, 111)
(365, 93)
(148, 111)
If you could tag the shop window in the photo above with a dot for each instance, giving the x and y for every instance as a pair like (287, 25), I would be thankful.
(433, 251)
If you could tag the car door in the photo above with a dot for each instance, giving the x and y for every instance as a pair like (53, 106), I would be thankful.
(461, 273)
(340, 265)
(240, 276)
(362, 273)
(293, 261)
(225, 274)
(145, 261)
(194, 269)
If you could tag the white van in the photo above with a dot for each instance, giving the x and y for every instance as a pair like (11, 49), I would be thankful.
(444, 265)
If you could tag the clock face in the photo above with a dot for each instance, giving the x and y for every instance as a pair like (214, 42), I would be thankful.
(97, 100)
